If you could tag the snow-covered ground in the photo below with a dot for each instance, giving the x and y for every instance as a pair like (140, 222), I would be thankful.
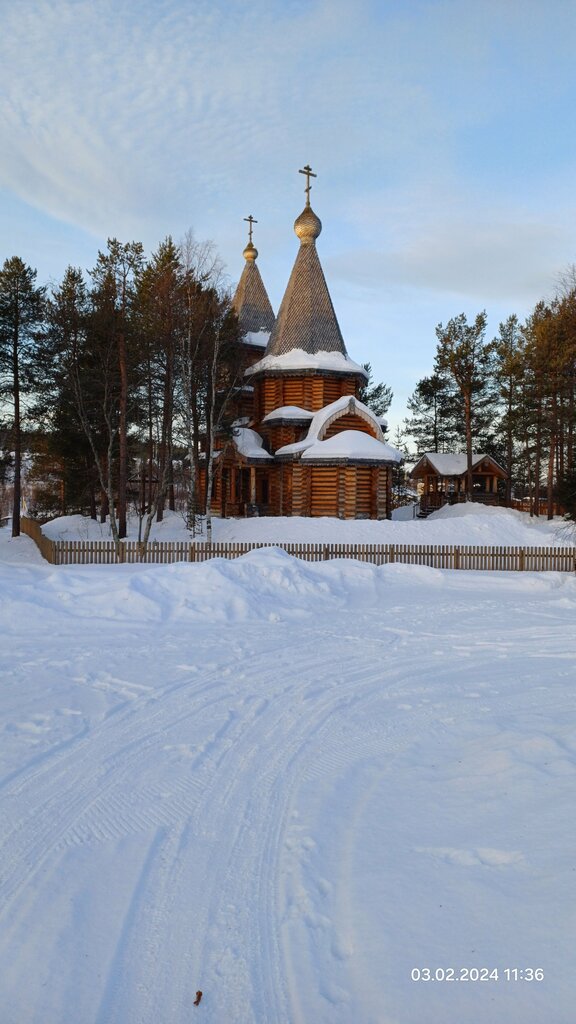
(287, 785)
(459, 524)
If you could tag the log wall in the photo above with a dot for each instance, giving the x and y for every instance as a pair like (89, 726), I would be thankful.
(311, 392)
(349, 422)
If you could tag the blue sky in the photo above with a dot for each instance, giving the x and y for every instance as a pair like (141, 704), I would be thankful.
(442, 134)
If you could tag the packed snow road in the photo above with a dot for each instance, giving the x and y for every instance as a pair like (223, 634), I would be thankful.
(294, 788)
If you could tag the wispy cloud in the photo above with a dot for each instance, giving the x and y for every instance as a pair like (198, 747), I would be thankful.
(123, 113)
(129, 112)
(484, 252)
(440, 130)
(133, 112)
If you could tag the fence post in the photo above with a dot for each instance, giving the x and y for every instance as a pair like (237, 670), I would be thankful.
(459, 556)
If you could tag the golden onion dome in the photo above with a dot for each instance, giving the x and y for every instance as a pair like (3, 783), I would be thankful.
(307, 226)
(250, 252)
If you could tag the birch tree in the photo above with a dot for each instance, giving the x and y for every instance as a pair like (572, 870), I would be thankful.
(209, 366)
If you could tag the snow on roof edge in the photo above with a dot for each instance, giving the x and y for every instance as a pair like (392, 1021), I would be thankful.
(249, 443)
(321, 418)
(354, 445)
(453, 463)
(298, 359)
(259, 338)
(288, 412)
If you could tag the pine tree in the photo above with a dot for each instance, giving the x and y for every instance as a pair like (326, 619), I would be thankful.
(5, 470)
(377, 397)
(465, 357)
(534, 398)
(567, 496)
(399, 482)
(161, 315)
(434, 423)
(113, 298)
(509, 377)
(68, 394)
(21, 314)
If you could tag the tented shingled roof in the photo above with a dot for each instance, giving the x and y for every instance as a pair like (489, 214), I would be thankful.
(251, 303)
(306, 319)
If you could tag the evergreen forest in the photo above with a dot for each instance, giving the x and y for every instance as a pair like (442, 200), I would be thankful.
(114, 386)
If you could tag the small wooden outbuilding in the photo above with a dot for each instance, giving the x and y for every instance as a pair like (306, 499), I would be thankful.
(443, 479)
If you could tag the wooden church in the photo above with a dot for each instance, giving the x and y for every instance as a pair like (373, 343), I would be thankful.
(303, 443)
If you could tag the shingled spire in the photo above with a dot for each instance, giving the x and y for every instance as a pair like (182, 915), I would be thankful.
(306, 320)
(251, 303)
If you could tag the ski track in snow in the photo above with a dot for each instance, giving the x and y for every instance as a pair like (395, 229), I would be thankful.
(201, 771)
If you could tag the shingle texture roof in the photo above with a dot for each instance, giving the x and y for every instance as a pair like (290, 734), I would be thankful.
(306, 319)
(251, 303)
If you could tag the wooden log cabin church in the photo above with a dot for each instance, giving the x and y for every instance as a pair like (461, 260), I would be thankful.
(303, 443)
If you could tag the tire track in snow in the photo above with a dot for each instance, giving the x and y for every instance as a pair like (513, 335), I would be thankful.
(246, 983)
(232, 948)
(287, 762)
(290, 770)
(221, 848)
(62, 793)
(69, 788)
(113, 988)
(217, 832)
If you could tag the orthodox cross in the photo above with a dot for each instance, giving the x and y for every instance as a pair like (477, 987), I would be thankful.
(309, 174)
(251, 221)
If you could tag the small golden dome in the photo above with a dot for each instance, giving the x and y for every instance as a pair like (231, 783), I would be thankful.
(250, 252)
(307, 226)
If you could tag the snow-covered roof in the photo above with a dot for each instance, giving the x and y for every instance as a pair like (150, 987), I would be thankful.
(450, 463)
(322, 419)
(298, 359)
(352, 444)
(249, 443)
(259, 338)
(288, 412)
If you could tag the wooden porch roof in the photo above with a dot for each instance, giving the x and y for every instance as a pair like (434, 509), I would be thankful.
(454, 465)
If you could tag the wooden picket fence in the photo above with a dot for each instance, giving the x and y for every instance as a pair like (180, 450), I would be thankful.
(440, 556)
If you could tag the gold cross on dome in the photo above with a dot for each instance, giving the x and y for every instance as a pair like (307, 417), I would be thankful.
(251, 221)
(309, 174)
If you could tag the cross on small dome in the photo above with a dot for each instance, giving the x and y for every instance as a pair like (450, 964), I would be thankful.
(250, 252)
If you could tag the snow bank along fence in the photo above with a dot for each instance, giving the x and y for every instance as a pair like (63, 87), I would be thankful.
(440, 556)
